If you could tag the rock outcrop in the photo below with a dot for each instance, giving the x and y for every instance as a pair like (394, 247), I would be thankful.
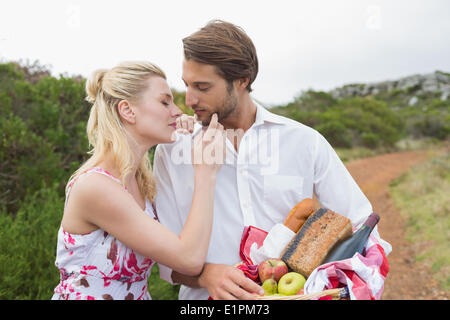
(437, 82)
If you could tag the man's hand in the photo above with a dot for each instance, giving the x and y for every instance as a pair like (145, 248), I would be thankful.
(225, 282)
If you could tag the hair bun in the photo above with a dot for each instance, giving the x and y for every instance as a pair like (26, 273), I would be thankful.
(94, 84)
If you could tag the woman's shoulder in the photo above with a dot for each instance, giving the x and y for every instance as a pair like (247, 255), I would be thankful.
(89, 194)
(91, 187)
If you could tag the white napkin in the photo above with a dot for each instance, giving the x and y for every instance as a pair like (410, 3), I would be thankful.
(276, 240)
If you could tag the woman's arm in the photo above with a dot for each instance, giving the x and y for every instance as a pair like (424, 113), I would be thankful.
(109, 207)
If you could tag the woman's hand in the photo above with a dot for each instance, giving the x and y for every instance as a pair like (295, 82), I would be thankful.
(185, 123)
(208, 151)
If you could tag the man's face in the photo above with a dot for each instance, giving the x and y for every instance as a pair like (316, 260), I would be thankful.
(207, 92)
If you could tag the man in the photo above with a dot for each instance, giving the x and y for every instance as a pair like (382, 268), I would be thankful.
(271, 164)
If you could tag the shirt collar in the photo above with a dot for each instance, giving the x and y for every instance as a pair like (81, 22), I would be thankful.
(264, 115)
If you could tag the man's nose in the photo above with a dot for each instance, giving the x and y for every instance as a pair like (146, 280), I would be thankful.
(191, 99)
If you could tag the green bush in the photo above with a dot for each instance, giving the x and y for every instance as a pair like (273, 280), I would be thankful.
(346, 123)
(42, 124)
(160, 289)
(42, 142)
(26, 160)
(374, 121)
(337, 134)
(28, 246)
(369, 119)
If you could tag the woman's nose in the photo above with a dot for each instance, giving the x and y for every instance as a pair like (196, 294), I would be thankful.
(176, 112)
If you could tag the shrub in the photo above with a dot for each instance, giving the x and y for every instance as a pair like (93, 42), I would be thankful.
(432, 125)
(28, 246)
(26, 160)
(346, 123)
(336, 133)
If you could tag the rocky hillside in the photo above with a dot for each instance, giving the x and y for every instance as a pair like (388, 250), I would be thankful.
(436, 84)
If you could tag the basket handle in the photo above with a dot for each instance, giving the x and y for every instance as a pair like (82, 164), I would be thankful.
(338, 293)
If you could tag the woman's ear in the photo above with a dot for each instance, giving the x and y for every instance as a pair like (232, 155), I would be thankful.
(126, 111)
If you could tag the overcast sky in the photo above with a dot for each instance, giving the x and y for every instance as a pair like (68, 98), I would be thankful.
(301, 44)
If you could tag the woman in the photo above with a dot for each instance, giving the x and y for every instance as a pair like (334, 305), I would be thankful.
(109, 236)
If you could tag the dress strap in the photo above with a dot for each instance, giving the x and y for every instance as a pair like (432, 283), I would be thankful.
(94, 169)
(154, 211)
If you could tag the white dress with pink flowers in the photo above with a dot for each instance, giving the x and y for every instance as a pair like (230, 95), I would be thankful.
(98, 266)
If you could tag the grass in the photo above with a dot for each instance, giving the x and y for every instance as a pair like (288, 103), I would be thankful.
(422, 195)
(160, 289)
(347, 155)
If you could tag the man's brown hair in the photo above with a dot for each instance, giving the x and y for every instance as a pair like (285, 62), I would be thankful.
(227, 47)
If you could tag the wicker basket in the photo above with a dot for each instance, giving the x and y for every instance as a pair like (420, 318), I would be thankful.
(336, 294)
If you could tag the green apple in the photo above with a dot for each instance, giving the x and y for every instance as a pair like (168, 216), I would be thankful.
(291, 283)
(270, 287)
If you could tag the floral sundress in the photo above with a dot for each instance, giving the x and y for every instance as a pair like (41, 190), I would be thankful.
(98, 266)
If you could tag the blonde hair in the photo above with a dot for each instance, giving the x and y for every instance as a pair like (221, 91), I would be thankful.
(106, 134)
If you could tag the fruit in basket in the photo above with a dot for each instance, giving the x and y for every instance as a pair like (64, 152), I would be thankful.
(291, 283)
(273, 268)
(270, 287)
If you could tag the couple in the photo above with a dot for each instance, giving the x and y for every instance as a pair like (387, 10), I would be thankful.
(120, 217)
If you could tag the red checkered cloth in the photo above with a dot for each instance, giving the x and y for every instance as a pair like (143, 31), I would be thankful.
(364, 275)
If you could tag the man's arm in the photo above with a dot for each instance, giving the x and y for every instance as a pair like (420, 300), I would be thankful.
(165, 202)
(185, 280)
(337, 190)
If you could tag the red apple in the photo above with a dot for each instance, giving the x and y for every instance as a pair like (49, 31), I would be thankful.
(272, 269)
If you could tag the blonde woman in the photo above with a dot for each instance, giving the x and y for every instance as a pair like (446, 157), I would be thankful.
(109, 236)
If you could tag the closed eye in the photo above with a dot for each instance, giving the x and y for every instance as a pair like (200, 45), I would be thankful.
(203, 88)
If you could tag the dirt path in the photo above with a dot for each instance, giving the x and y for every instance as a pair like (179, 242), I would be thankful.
(406, 279)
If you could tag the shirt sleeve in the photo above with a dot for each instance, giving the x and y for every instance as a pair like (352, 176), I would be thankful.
(165, 201)
(336, 189)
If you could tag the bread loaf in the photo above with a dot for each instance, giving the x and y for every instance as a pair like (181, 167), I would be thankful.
(298, 215)
(309, 247)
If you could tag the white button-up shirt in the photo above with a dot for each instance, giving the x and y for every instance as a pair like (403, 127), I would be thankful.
(279, 163)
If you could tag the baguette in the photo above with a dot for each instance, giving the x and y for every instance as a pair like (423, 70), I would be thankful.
(299, 214)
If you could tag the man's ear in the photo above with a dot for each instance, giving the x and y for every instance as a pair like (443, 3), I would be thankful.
(242, 83)
(126, 111)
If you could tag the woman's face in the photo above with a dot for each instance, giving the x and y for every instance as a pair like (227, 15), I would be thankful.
(156, 113)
